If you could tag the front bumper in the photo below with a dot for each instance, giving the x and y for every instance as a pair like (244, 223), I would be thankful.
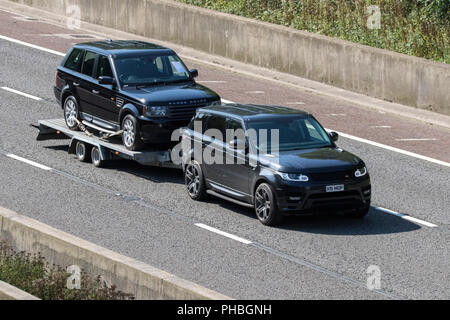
(294, 198)
(159, 131)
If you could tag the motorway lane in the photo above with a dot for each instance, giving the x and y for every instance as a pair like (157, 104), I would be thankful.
(413, 259)
(334, 113)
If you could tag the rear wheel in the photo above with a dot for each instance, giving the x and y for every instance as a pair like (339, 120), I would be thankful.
(265, 205)
(131, 136)
(71, 112)
(83, 151)
(96, 157)
(193, 178)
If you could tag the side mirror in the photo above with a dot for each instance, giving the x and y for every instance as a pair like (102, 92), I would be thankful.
(194, 73)
(334, 136)
(106, 80)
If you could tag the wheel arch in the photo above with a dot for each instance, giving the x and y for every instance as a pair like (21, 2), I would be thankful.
(126, 110)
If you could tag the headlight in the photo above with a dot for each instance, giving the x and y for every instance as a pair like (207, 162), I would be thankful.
(293, 176)
(361, 172)
(216, 103)
(156, 111)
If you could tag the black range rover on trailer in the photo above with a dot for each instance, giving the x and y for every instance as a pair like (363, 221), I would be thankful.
(138, 87)
(306, 173)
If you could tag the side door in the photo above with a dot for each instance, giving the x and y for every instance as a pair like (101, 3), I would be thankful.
(70, 71)
(85, 85)
(104, 96)
(235, 171)
(213, 149)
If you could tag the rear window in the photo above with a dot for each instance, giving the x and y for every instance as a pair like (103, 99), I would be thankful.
(74, 61)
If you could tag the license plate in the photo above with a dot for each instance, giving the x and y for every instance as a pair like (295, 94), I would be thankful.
(335, 188)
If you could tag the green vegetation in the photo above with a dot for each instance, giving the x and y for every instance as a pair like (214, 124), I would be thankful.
(415, 27)
(32, 274)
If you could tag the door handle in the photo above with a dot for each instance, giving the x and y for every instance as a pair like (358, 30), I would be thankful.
(76, 84)
(95, 91)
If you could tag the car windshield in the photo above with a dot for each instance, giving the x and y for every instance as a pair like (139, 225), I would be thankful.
(293, 133)
(150, 69)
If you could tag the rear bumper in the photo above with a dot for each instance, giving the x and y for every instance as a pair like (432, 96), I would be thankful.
(313, 198)
(57, 93)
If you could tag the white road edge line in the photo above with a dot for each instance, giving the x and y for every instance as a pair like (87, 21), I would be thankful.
(406, 217)
(348, 136)
(32, 46)
(222, 233)
(32, 163)
(21, 93)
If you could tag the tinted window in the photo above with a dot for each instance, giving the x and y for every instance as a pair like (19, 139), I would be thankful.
(74, 60)
(216, 122)
(293, 132)
(150, 69)
(88, 63)
(104, 67)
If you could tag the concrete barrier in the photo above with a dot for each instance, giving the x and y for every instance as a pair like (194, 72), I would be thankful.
(129, 275)
(9, 292)
(378, 73)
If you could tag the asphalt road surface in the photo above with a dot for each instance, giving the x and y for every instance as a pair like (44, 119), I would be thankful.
(145, 212)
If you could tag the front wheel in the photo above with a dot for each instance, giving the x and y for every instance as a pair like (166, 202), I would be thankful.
(359, 213)
(265, 205)
(193, 178)
(71, 112)
(131, 136)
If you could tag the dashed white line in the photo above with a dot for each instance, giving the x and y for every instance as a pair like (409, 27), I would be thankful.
(406, 217)
(297, 102)
(337, 114)
(32, 46)
(227, 101)
(222, 233)
(382, 127)
(256, 92)
(417, 139)
(32, 163)
(21, 93)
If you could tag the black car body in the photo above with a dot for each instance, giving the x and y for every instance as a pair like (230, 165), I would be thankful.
(109, 80)
(335, 179)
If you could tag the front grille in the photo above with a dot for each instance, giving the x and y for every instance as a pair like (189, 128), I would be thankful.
(183, 112)
(332, 176)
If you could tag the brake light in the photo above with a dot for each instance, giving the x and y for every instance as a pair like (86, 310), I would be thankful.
(56, 79)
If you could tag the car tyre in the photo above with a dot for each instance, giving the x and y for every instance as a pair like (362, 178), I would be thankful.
(194, 181)
(131, 136)
(96, 158)
(83, 151)
(71, 112)
(265, 205)
(359, 213)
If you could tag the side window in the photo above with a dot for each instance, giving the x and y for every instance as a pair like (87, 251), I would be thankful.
(216, 122)
(88, 63)
(104, 67)
(74, 61)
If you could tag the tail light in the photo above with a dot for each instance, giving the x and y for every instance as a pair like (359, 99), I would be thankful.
(56, 78)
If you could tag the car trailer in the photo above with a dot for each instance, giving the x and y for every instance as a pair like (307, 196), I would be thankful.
(100, 147)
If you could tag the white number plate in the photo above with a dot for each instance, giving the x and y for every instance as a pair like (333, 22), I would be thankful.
(335, 188)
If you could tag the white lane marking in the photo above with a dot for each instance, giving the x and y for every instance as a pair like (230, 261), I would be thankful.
(381, 126)
(337, 114)
(22, 93)
(348, 136)
(32, 163)
(222, 233)
(406, 217)
(211, 81)
(32, 46)
(417, 139)
(256, 91)
(380, 145)
(299, 102)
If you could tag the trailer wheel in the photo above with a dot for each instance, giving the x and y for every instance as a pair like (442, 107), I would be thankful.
(96, 158)
(82, 151)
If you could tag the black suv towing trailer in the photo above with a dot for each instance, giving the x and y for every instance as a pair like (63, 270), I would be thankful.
(88, 144)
